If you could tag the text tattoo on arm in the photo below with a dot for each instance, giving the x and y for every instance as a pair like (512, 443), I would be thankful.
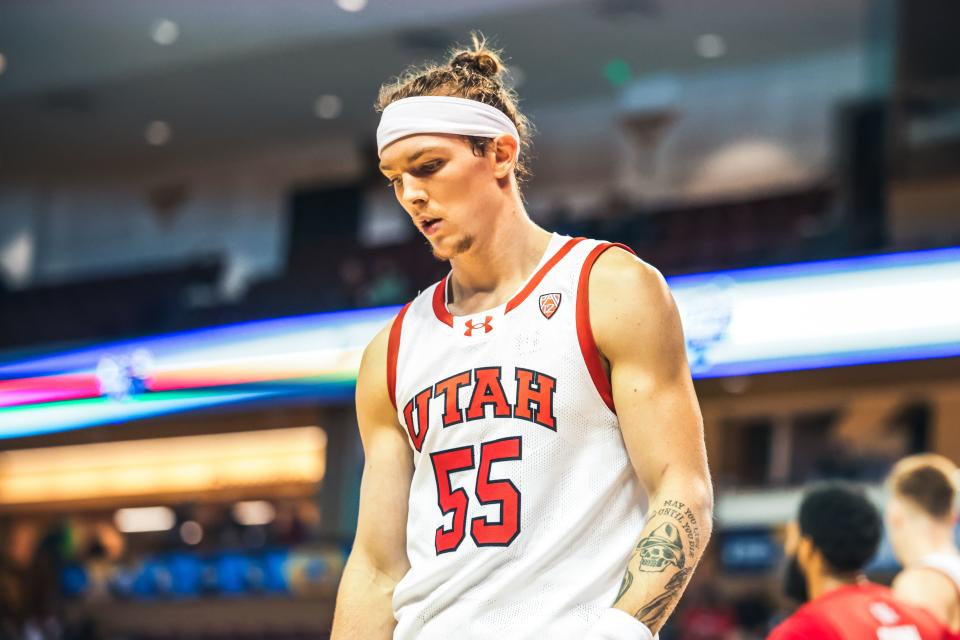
(672, 545)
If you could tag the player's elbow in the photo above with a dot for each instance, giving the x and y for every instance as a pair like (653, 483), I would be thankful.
(700, 494)
(694, 485)
(695, 491)
(373, 570)
(707, 490)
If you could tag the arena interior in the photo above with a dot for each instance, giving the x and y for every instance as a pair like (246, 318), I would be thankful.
(196, 244)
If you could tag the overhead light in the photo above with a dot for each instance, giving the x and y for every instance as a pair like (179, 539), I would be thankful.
(191, 532)
(158, 133)
(3, 63)
(164, 32)
(352, 5)
(327, 107)
(16, 257)
(710, 45)
(254, 512)
(144, 519)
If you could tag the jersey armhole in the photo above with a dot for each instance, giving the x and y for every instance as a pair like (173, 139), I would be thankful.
(393, 350)
(588, 345)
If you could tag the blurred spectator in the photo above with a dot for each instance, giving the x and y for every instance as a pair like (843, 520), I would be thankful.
(387, 286)
(708, 618)
(352, 278)
(753, 616)
(836, 533)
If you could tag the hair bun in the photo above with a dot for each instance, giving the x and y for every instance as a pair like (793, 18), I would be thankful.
(482, 62)
(478, 58)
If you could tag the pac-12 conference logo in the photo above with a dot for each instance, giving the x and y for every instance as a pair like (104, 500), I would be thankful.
(549, 303)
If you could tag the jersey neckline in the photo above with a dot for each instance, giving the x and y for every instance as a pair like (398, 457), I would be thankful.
(557, 248)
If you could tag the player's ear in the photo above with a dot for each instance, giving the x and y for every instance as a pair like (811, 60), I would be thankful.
(791, 538)
(894, 514)
(505, 152)
(805, 551)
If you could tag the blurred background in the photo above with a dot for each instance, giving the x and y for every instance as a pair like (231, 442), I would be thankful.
(196, 245)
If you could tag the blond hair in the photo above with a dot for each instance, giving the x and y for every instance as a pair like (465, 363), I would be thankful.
(476, 73)
(928, 481)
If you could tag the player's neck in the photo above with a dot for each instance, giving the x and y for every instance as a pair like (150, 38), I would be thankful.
(497, 264)
(827, 582)
(934, 538)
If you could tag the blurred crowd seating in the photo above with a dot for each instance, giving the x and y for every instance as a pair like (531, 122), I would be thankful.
(788, 226)
(802, 224)
(112, 305)
(69, 576)
(187, 573)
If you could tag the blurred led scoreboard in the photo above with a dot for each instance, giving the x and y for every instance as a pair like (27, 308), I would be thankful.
(844, 312)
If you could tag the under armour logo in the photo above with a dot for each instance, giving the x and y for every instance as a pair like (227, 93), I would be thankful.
(471, 326)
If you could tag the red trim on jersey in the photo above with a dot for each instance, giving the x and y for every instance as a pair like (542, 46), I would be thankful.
(440, 303)
(588, 346)
(440, 293)
(393, 349)
(541, 273)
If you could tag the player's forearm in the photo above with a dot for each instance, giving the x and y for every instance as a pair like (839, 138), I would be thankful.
(678, 527)
(364, 609)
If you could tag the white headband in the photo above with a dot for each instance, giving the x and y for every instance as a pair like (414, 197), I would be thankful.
(441, 114)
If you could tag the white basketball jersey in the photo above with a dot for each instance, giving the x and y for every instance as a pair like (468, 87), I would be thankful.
(524, 507)
(946, 563)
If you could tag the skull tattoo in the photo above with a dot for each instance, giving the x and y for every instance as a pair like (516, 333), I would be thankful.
(661, 548)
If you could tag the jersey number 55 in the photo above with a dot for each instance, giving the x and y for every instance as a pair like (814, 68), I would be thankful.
(500, 492)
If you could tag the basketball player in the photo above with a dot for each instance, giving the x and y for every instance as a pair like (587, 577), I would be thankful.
(837, 532)
(535, 465)
(921, 516)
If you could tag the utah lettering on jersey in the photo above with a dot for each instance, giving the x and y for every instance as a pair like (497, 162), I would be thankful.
(533, 401)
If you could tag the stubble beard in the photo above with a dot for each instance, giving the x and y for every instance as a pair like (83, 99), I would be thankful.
(462, 246)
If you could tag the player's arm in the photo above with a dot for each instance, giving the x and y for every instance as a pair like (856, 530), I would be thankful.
(637, 330)
(379, 557)
(928, 589)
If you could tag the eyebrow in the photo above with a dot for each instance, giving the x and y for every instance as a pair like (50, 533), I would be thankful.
(412, 156)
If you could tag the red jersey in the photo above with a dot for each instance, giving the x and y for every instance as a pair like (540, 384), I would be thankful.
(863, 611)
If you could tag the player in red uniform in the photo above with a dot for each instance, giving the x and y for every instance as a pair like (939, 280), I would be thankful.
(836, 534)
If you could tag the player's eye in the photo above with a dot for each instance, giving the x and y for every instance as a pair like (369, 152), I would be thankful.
(428, 167)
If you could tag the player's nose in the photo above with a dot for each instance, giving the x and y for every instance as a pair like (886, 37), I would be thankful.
(414, 193)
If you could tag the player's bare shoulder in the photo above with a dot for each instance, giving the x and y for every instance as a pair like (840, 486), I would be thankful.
(372, 396)
(927, 588)
(629, 300)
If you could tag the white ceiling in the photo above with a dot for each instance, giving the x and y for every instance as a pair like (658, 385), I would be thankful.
(84, 78)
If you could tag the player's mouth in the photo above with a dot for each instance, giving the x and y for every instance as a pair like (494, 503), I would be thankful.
(430, 225)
